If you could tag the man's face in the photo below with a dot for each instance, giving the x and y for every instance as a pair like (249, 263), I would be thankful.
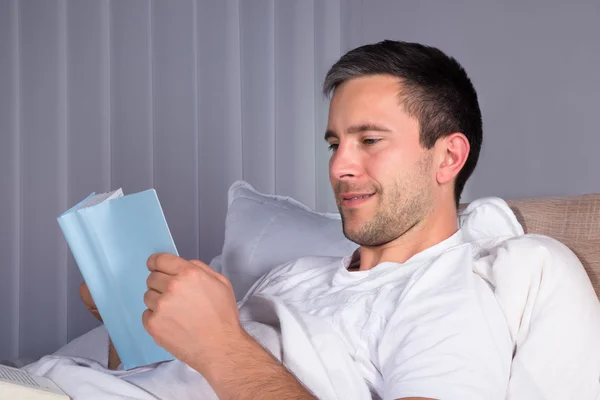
(382, 177)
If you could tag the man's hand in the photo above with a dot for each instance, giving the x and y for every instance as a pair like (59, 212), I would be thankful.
(193, 314)
(88, 301)
(192, 311)
(90, 305)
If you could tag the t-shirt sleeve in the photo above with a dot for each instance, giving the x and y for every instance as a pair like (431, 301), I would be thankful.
(439, 343)
(554, 314)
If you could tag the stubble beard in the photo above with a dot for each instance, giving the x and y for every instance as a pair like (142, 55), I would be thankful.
(400, 207)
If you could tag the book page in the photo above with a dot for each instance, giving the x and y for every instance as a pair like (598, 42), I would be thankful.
(101, 197)
(22, 378)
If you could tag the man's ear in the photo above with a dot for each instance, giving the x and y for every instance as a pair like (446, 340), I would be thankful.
(453, 151)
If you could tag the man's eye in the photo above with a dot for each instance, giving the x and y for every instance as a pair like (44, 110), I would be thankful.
(333, 146)
(370, 141)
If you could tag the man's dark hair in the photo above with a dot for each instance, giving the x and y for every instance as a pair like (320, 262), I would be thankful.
(435, 89)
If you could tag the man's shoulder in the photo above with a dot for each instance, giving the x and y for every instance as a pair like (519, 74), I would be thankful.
(548, 303)
(542, 261)
(540, 246)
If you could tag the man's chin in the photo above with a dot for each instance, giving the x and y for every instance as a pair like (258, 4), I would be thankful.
(362, 237)
(352, 235)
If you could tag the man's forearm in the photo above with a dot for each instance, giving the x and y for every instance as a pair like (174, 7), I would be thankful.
(113, 356)
(245, 370)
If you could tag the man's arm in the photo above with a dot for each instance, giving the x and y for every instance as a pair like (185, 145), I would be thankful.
(90, 305)
(113, 357)
(243, 369)
(192, 313)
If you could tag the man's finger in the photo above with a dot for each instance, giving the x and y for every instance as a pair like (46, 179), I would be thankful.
(158, 281)
(204, 267)
(167, 263)
(211, 272)
(151, 299)
(86, 296)
(145, 316)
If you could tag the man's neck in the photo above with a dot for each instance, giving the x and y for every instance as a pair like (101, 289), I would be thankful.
(420, 237)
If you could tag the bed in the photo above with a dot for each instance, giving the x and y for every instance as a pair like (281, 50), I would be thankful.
(258, 237)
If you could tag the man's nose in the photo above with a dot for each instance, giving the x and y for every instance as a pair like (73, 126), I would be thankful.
(344, 163)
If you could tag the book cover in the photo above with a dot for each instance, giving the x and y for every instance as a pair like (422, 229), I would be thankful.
(111, 237)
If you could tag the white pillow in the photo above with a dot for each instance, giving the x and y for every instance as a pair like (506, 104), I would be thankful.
(263, 231)
(216, 264)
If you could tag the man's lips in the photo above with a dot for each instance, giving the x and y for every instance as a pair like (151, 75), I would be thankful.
(352, 200)
(355, 196)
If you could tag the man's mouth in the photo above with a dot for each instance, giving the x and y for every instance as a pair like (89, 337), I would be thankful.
(350, 200)
(356, 197)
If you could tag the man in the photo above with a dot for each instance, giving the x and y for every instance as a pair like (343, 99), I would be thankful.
(405, 133)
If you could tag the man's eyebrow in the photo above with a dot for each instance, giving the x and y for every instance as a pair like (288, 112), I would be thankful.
(368, 128)
(330, 135)
(358, 129)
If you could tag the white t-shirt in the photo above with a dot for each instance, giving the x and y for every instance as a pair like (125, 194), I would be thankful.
(428, 327)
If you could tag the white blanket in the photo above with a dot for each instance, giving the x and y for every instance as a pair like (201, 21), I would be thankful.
(309, 348)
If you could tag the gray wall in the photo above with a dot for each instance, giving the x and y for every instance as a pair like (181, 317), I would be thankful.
(187, 96)
(536, 67)
(184, 96)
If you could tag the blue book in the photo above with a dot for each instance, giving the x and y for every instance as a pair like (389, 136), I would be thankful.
(111, 237)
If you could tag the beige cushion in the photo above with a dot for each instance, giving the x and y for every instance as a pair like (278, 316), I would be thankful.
(572, 220)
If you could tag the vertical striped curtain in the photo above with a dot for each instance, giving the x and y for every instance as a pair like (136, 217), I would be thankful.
(184, 96)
